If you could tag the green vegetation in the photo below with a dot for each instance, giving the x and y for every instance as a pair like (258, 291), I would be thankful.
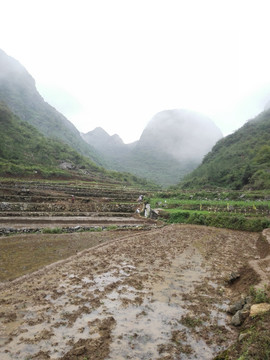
(239, 210)
(217, 194)
(255, 344)
(220, 209)
(56, 230)
(191, 321)
(214, 205)
(112, 227)
(240, 160)
(255, 334)
(259, 295)
(154, 166)
(18, 91)
(146, 163)
(171, 145)
(25, 152)
(229, 221)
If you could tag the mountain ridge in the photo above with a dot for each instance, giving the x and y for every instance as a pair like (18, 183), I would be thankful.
(168, 148)
(240, 160)
(18, 91)
(25, 152)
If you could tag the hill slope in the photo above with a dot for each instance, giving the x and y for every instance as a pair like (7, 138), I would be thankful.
(173, 144)
(18, 91)
(239, 160)
(24, 151)
(185, 135)
(23, 148)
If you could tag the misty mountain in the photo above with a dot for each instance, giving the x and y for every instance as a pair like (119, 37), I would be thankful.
(240, 160)
(173, 143)
(18, 91)
(185, 135)
(267, 105)
(25, 151)
(99, 138)
(112, 148)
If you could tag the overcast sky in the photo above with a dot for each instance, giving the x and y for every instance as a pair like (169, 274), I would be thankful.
(116, 63)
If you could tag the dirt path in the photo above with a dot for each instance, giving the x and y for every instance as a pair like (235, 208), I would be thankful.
(159, 295)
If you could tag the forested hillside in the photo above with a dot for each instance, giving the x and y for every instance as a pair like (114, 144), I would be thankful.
(24, 151)
(18, 91)
(23, 147)
(239, 160)
(173, 143)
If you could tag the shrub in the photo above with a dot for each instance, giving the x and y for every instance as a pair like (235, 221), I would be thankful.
(52, 230)
(259, 295)
(222, 220)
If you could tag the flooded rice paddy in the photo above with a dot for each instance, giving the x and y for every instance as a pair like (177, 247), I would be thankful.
(159, 294)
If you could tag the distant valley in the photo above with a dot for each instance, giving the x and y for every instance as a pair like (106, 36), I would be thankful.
(173, 143)
(178, 148)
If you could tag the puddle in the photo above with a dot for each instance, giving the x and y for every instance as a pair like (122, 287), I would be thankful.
(181, 277)
(139, 330)
(142, 331)
(106, 279)
(61, 329)
(58, 335)
(149, 320)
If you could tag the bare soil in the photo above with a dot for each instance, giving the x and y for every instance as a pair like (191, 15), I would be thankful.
(159, 294)
(26, 253)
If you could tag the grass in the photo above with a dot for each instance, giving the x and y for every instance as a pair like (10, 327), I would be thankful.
(56, 230)
(198, 204)
(259, 295)
(218, 219)
(255, 343)
(112, 227)
(191, 321)
(218, 209)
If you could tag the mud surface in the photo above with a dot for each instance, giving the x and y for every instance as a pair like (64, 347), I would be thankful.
(25, 253)
(160, 294)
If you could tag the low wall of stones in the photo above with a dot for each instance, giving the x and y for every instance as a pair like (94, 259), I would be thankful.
(7, 207)
(13, 231)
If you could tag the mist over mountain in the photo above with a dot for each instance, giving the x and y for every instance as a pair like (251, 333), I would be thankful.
(183, 134)
(18, 91)
(111, 148)
(99, 138)
(267, 105)
(25, 152)
(173, 143)
(240, 160)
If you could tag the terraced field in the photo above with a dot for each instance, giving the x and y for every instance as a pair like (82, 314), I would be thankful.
(39, 205)
(135, 290)
(249, 211)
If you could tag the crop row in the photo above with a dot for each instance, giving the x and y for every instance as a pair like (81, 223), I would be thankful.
(222, 220)
(245, 207)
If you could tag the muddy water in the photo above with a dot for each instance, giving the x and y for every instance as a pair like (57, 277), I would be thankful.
(141, 330)
(166, 300)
